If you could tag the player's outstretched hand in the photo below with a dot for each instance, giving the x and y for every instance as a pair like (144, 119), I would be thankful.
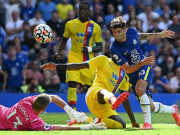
(78, 116)
(94, 125)
(85, 50)
(48, 66)
(57, 56)
(149, 60)
(167, 33)
(135, 124)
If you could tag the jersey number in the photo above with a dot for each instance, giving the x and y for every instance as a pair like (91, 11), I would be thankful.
(16, 123)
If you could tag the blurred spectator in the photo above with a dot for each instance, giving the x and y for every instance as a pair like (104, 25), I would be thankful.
(175, 26)
(10, 7)
(160, 83)
(46, 83)
(97, 12)
(165, 22)
(14, 28)
(108, 36)
(37, 19)
(167, 10)
(53, 42)
(106, 49)
(28, 38)
(2, 37)
(154, 27)
(127, 3)
(55, 23)
(110, 14)
(168, 67)
(130, 9)
(34, 53)
(175, 82)
(63, 9)
(134, 21)
(33, 3)
(174, 6)
(3, 76)
(15, 71)
(100, 21)
(55, 85)
(22, 51)
(27, 11)
(46, 7)
(62, 73)
(160, 7)
(149, 46)
(44, 53)
(145, 16)
(141, 5)
(32, 73)
(71, 16)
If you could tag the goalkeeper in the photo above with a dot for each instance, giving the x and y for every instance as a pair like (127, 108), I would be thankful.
(100, 97)
(24, 115)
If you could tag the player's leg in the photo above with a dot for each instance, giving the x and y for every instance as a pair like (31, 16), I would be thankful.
(72, 78)
(72, 95)
(158, 107)
(144, 100)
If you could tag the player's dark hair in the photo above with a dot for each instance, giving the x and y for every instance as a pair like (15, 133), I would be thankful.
(41, 102)
(118, 22)
(84, 3)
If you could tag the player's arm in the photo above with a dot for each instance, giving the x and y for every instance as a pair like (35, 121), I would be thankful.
(132, 68)
(64, 40)
(61, 47)
(130, 113)
(164, 34)
(72, 66)
(92, 126)
(95, 49)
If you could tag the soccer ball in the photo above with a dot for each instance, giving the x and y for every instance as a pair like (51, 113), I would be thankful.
(42, 33)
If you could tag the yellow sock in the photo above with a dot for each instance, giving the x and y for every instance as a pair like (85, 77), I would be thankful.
(112, 124)
(72, 97)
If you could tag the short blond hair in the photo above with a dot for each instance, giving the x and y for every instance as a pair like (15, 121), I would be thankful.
(118, 22)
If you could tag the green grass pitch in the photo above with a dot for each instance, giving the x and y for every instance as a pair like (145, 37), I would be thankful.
(163, 124)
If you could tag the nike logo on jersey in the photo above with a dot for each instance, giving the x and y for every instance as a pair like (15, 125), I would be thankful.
(125, 53)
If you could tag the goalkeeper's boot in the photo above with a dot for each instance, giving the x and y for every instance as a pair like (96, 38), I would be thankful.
(71, 122)
(176, 115)
(147, 126)
(124, 96)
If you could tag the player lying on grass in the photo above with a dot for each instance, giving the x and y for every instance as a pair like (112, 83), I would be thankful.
(24, 115)
(100, 97)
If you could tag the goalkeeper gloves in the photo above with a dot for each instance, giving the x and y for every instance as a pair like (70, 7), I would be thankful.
(94, 125)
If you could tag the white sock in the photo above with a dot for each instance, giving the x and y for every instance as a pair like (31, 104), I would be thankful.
(160, 108)
(145, 105)
(109, 97)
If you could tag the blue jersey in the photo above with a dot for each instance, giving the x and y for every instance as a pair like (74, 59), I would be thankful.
(130, 52)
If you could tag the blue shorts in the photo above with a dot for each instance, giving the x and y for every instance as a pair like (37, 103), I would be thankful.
(144, 73)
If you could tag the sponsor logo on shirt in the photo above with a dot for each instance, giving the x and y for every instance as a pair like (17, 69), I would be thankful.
(47, 127)
(80, 34)
(115, 57)
(134, 41)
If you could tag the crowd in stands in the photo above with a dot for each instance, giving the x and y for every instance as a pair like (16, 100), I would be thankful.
(21, 56)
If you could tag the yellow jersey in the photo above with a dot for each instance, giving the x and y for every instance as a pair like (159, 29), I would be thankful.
(109, 75)
(82, 34)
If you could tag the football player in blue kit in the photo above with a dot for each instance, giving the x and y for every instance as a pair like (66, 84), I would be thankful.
(126, 52)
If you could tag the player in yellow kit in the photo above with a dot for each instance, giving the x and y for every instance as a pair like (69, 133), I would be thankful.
(83, 33)
(100, 97)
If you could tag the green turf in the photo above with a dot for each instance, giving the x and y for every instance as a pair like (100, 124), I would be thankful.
(167, 126)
